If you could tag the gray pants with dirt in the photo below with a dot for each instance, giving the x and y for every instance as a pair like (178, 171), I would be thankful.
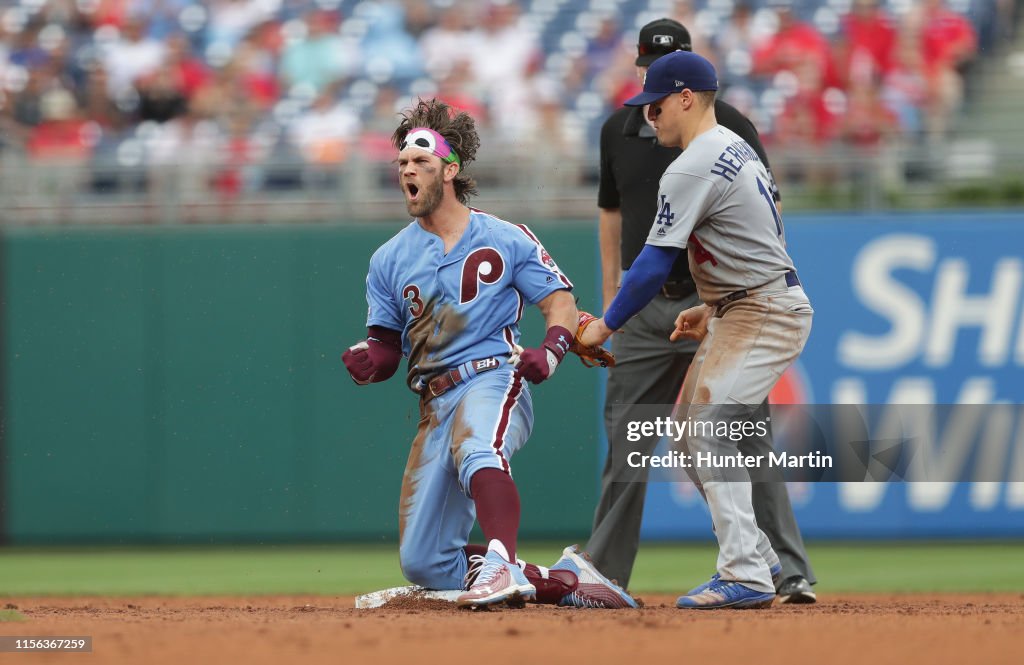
(650, 371)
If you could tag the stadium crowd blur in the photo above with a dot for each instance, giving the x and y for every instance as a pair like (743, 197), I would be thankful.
(246, 95)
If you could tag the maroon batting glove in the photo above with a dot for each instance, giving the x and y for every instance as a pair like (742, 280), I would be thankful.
(375, 358)
(537, 364)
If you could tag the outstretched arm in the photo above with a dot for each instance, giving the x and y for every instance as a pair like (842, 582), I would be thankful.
(641, 283)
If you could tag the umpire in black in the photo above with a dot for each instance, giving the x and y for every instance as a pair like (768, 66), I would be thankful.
(650, 369)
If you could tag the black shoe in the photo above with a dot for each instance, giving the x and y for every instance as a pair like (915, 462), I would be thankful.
(797, 591)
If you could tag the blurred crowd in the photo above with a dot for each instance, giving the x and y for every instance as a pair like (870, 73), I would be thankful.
(275, 94)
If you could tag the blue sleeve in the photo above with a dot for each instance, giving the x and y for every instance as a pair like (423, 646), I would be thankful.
(382, 310)
(537, 275)
(642, 282)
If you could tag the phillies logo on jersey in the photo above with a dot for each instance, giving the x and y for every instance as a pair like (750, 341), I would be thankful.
(482, 266)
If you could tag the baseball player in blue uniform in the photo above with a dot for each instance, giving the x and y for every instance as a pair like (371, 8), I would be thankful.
(447, 292)
(715, 203)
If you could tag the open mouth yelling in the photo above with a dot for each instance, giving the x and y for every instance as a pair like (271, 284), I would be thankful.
(412, 190)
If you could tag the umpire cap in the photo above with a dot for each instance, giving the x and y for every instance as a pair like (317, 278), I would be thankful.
(674, 73)
(659, 38)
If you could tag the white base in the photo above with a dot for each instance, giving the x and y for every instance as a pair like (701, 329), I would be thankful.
(378, 598)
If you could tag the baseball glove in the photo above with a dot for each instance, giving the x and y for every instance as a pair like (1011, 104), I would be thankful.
(591, 356)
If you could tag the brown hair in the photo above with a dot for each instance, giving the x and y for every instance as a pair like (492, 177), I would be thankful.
(457, 127)
(706, 97)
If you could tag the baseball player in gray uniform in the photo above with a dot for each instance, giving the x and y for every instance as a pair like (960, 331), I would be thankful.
(715, 201)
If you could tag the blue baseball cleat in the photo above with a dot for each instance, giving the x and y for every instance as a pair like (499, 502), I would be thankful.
(593, 589)
(775, 570)
(719, 594)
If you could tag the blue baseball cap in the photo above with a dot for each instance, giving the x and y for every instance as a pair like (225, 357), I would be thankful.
(674, 72)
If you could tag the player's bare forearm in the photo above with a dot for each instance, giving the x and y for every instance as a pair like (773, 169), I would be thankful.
(610, 240)
(559, 309)
(537, 364)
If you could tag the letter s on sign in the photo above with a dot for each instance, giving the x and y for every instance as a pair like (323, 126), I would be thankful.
(483, 266)
(880, 292)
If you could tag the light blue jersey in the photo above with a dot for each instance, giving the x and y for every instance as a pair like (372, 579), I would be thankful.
(464, 305)
(451, 309)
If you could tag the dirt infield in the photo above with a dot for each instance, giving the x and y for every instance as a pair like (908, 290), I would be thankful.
(844, 628)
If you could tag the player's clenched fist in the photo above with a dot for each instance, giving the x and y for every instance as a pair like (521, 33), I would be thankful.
(692, 323)
(539, 363)
(375, 358)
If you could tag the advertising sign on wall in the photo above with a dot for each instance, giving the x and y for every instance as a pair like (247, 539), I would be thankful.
(909, 310)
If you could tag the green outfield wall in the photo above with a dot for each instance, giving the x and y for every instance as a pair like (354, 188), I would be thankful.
(184, 385)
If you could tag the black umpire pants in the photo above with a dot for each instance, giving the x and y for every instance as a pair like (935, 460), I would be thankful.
(650, 370)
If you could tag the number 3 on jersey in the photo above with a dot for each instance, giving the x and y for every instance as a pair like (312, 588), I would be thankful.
(412, 294)
(771, 204)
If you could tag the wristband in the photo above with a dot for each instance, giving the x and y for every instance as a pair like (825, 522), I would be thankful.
(558, 340)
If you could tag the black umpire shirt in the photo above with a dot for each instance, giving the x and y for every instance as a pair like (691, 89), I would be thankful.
(632, 163)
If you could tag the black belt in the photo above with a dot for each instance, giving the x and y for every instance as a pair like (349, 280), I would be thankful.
(444, 382)
(677, 289)
(791, 280)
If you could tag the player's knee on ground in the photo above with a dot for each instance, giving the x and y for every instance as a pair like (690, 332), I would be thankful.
(434, 572)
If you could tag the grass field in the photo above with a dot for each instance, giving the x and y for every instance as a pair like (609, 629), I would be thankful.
(350, 569)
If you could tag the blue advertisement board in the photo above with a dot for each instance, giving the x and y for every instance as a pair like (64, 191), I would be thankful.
(909, 309)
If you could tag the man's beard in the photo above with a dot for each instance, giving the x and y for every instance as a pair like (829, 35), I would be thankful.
(429, 200)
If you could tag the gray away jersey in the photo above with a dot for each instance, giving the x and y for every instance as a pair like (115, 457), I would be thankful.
(715, 200)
